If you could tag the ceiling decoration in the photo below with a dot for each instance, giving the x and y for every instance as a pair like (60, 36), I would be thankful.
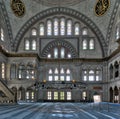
(101, 7)
(18, 8)
(58, 2)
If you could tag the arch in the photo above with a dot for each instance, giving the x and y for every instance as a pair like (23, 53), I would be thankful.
(21, 93)
(62, 43)
(14, 90)
(111, 94)
(116, 94)
(65, 11)
(116, 68)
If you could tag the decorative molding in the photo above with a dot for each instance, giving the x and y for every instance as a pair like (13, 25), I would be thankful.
(65, 11)
(62, 43)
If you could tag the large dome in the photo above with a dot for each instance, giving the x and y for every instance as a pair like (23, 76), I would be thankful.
(58, 2)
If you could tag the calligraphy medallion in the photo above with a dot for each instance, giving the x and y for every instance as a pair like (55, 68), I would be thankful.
(18, 7)
(101, 7)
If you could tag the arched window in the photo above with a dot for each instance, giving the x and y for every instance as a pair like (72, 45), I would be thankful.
(62, 71)
(50, 71)
(21, 72)
(49, 55)
(69, 27)
(91, 44)
(117, 33)
(85, 31)
(77, 29)
(69, 55)
(84, 44)
(30, 73)
(2, 34)
(34, 32)
(56, 31)
(55, 53)
(49, 27)
(116, 65)
(91, 75)
(56, 71)
(33, 44)
(42, 29)
(56, 75)
(84, 75)
(68, 71)
(111, 71)
(62, 52)
(27, 45)
(62, 26)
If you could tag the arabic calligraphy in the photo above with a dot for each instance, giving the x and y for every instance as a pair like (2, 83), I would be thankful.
(18, 7)
(101, 7)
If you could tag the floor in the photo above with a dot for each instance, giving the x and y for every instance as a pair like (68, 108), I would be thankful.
(60, 111)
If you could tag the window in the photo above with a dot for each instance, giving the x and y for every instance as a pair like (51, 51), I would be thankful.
(30, 73)
(91, 75)
(62, 52)
(69, 55)
(117, 33)
(50, 78)
(56, 71)
(50, 71)
(49, 55)
(68, 75)
(62, 26)
(84, 44)
(68, 95)
(56, 27)
(27, 95)
(62, 95)
(84, 75)
(3, 70)
(69, 27)
(34, 32)
(77, 29)
(98, 75)
(55, 53)
(49, 27)
(91, 44)
(27, 45)
(67, 78)
(62, 71)
(21, 72)
(49, 95)
(32, 95)
(84, 95)
(41, 29)
(85, 31)
(62, 78)
(55, 95)
(2, 34)
(56, 78)
(34, 45)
